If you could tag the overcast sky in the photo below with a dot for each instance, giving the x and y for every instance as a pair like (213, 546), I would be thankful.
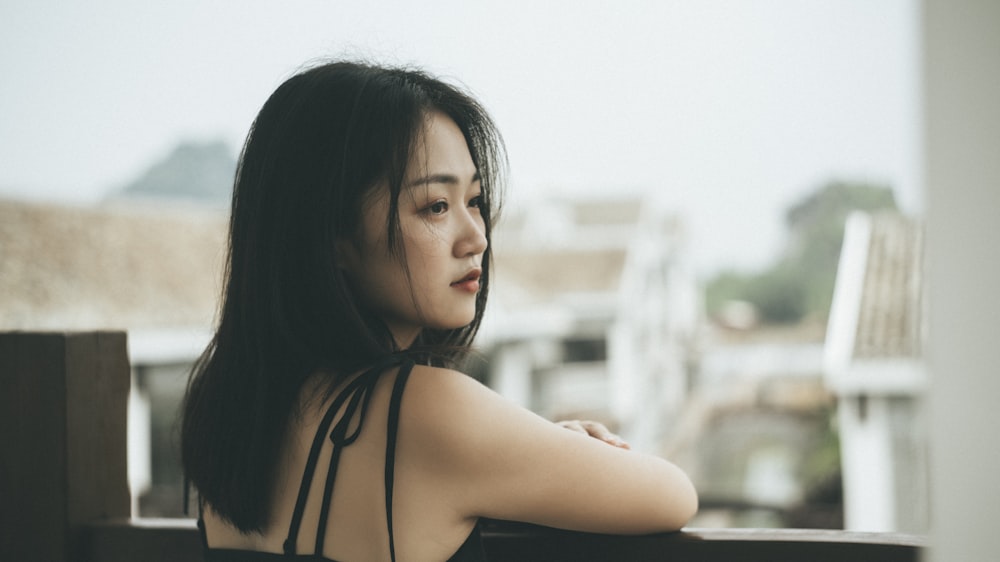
(728, 111)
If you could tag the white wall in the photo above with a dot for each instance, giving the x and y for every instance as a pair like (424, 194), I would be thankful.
(961, 63)
(867, 464)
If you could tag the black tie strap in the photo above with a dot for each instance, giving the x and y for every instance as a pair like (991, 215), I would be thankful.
(357, 394)
(390, 447)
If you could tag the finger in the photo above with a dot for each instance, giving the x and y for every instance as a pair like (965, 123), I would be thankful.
(596, 429)
(573, 425)
(599, 431)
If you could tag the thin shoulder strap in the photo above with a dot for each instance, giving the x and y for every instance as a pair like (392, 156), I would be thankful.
(390, 446)
(201, 521)
(357, 393)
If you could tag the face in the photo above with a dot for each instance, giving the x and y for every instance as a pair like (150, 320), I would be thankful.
(443, 237)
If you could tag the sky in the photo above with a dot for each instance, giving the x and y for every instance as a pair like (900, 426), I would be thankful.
(727, 112)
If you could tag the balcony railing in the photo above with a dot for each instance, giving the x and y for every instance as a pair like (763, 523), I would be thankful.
(65, 494)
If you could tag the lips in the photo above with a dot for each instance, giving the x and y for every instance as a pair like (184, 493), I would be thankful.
(470, 282)
(471, 276)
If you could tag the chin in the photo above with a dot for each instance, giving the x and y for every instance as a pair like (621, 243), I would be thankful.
(454, 324)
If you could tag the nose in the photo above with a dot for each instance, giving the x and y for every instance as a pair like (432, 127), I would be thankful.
(471, 240)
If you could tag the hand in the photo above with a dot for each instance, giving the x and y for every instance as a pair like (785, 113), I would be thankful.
(595, 430)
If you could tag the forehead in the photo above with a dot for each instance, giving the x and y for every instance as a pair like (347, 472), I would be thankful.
(440, 147)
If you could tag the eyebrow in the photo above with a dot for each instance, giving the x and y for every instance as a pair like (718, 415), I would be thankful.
(440, 178)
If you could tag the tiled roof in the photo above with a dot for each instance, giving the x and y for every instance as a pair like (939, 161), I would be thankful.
(65, 268)
(891, 313)
(563, 247)
(138, 267)
(545, 274)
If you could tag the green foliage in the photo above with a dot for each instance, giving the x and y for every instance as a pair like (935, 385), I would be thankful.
(724, 287)
(778, 294)
(830, 204)
(800, 284)
(822, 460)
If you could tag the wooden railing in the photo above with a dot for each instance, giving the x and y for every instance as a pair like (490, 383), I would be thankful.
(65, 497)
(164, 540)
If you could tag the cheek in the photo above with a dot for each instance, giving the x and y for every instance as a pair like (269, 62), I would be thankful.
(424, 242)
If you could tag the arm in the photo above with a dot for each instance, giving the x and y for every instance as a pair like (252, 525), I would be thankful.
(494, 459)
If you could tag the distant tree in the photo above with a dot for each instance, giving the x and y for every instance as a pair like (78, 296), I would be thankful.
(780, 295)
(800, 283)
(201, 172)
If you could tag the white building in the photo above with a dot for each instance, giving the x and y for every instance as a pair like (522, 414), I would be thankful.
(874, 364)
(593, 313)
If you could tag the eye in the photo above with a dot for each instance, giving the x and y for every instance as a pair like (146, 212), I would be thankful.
(476, 202)
(437, 208)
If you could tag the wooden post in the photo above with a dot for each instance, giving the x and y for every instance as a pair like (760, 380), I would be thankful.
(63, 399)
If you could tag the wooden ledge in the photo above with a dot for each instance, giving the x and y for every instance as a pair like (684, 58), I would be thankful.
(157, 540)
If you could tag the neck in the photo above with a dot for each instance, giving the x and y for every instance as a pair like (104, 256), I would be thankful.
(404, 337)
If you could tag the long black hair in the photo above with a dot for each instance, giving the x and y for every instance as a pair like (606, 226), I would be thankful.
(324, 141)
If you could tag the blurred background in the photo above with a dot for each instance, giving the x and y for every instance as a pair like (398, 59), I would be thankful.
(712, 240)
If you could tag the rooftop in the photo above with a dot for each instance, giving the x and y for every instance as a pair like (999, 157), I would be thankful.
(891, 313)
(134, 267)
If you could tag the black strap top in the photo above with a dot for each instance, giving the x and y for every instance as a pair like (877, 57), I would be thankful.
(357, 395)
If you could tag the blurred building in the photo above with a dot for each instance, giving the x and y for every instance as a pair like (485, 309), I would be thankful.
(874, 362)
(153, 269)
(594, 312)
(592, 316)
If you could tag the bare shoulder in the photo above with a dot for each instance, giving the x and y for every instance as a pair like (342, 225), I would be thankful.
(445, 403)
(428, 382)
(459, 424)
(499, 460)
(450, 405)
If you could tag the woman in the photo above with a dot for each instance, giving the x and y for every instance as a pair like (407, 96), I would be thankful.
(323, 419)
